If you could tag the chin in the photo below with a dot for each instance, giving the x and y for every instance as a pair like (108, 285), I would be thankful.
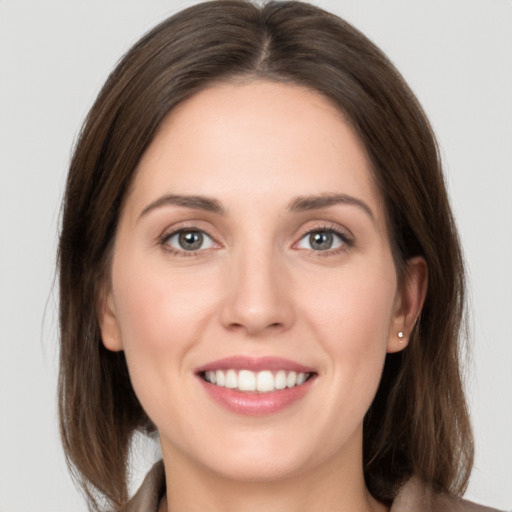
(259, 469)
(276, 456)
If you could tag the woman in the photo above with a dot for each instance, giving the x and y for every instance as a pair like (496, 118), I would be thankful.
(258, 261)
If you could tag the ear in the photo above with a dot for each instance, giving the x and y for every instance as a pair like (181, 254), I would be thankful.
(408, 304)
(109, 327)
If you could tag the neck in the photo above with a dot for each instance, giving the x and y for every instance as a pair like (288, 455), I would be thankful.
(330, 487)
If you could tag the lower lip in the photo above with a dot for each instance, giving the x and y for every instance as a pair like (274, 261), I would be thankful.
(256, 404)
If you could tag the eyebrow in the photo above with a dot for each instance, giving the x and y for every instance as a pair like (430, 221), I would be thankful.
(299, 204)
(195, 202)
(317, 202)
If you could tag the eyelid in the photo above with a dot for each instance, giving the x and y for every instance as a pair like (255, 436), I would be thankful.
(344, 234)
(185, 226)
(176, 234)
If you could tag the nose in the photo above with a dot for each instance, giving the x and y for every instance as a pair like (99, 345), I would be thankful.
(258, 296)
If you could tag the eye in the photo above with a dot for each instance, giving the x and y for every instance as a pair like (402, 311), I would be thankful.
(322, 240)
(189, 240)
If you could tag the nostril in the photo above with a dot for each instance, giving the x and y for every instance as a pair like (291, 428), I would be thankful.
(254, 313)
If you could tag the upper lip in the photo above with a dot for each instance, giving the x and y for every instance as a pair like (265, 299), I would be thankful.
(255, 364)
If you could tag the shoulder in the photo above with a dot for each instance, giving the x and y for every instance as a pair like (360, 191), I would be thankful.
(415, 496)
(148, 496)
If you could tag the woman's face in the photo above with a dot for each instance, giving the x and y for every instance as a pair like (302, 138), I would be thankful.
(252, 253)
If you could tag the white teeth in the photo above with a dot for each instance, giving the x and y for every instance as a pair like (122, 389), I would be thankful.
(301, 378)
(220, 378)
(231, 379)
(291, 380)
(246, 381)
(263, 382)
(280, 379)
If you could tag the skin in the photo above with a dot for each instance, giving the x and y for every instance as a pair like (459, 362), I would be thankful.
(257, 287)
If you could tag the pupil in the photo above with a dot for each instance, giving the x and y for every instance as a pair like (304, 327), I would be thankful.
(191, 240)
(321, 241)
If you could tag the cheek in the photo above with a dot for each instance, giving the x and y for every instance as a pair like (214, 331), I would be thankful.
(353, 315)
(160, 318)
(156, 308)
(353, 303)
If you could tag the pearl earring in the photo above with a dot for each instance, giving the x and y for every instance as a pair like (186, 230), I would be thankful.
(401, 335)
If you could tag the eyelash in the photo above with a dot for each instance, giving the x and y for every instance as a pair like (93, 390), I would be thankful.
(346, 240)
(166, 236)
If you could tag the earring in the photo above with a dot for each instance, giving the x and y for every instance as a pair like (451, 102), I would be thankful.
(401, 335)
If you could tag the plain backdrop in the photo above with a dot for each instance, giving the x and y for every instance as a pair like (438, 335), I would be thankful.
(55, 55)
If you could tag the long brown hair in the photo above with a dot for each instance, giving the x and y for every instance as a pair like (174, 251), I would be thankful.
(418, 423)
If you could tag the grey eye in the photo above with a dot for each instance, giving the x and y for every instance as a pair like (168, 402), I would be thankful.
(321, 241)
(190, 240)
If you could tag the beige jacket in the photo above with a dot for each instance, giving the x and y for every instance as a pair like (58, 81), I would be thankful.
(412, 497)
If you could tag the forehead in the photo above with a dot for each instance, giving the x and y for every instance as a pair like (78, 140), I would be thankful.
(237, 140)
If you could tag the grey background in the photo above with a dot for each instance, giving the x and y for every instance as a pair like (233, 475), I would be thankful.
(55, 55)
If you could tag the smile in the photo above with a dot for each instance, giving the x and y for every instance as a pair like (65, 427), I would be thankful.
(264, 381)
(256, 386)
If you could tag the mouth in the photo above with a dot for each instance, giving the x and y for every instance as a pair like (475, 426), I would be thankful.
(265, 381)
(256, 386)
